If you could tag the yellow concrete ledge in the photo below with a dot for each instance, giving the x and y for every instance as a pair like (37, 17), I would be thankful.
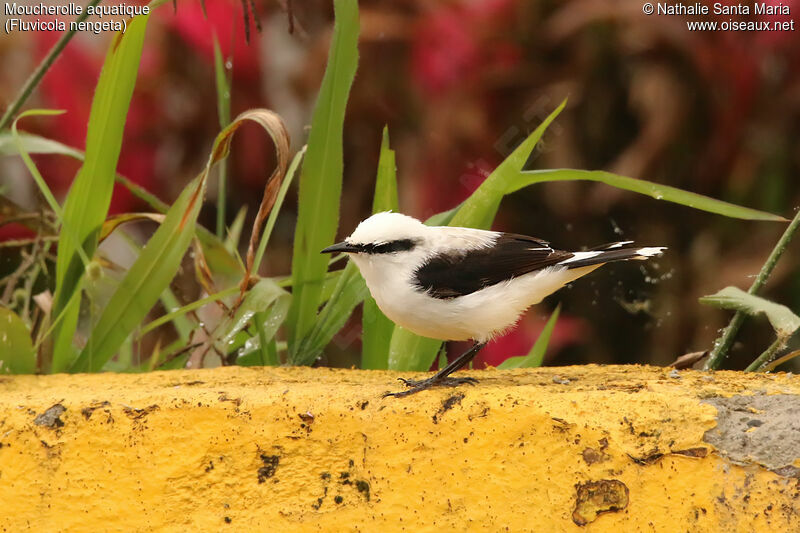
(590, 448)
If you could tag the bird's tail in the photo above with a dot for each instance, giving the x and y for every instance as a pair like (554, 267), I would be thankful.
(617, 251)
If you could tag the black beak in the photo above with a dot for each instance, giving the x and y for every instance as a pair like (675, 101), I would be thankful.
(341, 247)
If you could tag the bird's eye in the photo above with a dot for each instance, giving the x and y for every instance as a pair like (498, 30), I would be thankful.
(399, 245)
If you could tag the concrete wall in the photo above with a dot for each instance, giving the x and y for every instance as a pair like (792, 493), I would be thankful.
(559, 449)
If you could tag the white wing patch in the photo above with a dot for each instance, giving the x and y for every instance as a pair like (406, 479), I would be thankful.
(651, 251)
(580, 256)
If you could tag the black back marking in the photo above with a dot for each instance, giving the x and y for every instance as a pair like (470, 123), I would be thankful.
(456, 274)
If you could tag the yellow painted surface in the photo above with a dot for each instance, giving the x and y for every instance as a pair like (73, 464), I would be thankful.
(242, 449)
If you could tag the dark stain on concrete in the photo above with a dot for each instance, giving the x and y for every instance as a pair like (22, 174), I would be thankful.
(692, 452)
(88, 411)
(51, 418)
(135, 413)
(595, 497)
(270, 463)
(448, 404)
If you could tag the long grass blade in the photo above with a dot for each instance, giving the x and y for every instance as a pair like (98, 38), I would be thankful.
(141, 287)
(647, 188)
(10, 141)
(23, 148)
(377, 328)
(223, 85)
(276, 208)
(182, 324)
(321, 177)
(175, 312)
(90, 194)
(234, 232)
(350, 290)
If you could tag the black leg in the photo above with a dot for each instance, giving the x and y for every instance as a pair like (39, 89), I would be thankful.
(441, 379)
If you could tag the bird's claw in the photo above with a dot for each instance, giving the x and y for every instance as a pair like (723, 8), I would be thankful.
(417, 385)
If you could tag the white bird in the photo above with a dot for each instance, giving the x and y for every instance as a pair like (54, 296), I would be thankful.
(456, 284)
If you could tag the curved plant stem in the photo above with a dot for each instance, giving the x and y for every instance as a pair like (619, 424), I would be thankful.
(44, 66)
(723, 344)
(772, 365)
(765, 358)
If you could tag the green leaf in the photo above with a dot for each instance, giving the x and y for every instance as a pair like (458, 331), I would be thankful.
(783, 320)
(330, 284)
(183, 326)
(146, 280)
(262, 296)
(385, 198)
(536, 355)
(90, 194)
(223, 84)
(350, 290)
(22, 149)
(411, 352)
(276, 207)
(267, 348)
(35, 144)
(267, 307)
(175, 312)
(443, 218)
(647, 188)
(17, 355)
(377, 328)
(231, 240)
(321, 177)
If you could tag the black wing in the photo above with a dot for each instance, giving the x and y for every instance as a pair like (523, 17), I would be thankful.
(455, 274)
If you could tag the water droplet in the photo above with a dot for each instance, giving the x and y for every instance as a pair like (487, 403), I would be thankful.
(229, 64)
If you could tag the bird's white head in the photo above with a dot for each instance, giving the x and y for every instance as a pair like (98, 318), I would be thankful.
(386, 247)
(383, 234)
(387, 227)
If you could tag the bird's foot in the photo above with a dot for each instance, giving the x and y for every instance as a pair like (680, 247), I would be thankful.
(417, 385)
